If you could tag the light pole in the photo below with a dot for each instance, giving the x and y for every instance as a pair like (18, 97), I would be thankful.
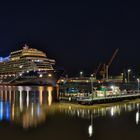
(128, 80)
(138, 80)
(91, 85)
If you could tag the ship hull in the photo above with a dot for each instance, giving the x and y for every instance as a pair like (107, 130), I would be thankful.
(33, 81)
(49, 78)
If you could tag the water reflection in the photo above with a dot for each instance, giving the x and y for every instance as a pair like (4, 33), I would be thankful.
(137, 117)
(99, 111)
(29, 107)
(49, 95)
(90, 128)
(24, 105)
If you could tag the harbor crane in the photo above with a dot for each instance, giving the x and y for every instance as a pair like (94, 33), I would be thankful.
(105, 68)
(98, 69)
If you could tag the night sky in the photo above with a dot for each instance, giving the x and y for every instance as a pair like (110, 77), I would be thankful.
(79, 35)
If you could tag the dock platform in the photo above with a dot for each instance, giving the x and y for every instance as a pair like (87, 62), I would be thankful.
(100, 100)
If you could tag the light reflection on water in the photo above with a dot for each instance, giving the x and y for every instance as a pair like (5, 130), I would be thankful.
(100, 111)
(24, 105)
(30, 106)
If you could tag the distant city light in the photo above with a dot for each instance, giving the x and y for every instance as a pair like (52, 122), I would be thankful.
(91, 75)
(112, 87)
(20, 74)
(21, 66)
(81, 73)
(40, 75)
(62, 80)
(49, 75)
(129, 70)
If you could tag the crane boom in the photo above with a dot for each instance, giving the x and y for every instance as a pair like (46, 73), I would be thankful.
(110, 62)
(98, 68)
(105, 68)
(112, 58)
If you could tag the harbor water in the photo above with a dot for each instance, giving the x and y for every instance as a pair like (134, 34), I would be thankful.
(32, 112)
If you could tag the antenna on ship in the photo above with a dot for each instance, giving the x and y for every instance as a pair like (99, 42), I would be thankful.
(25, 46)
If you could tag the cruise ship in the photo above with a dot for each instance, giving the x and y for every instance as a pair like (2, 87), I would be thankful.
(27, 66)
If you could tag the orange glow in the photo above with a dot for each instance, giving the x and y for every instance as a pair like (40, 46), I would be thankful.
(1, 95)
(27, 99)
(6, 95)
(40, 95)
(50, 89)
(10, 96)
(57, 90)
(13, 111)
(21, 101)
(50, 75)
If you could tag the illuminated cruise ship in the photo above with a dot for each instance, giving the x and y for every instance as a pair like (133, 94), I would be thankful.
(27, 65)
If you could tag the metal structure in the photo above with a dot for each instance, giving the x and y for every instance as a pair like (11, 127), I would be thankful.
(105, 68)
(98, 69)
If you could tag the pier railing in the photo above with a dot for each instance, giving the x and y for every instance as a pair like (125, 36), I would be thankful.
(107, 99)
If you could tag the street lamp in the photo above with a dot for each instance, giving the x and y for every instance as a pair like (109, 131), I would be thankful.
(81, 73)
(138, 80)
(129, 70)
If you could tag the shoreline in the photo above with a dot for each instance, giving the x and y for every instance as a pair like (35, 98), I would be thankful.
(99, 105)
